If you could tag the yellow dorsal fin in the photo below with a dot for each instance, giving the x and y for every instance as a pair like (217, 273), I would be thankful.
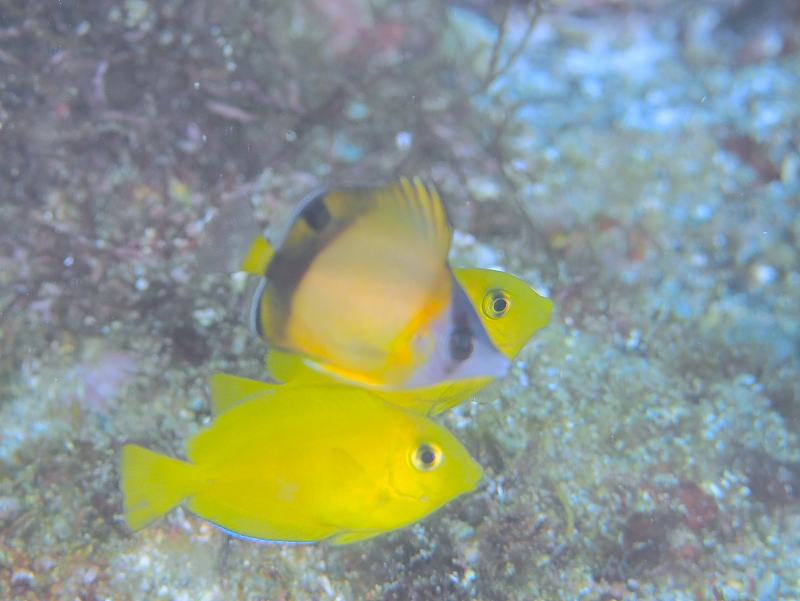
(428, 195)
(426, 210)
(406, 203)
(410, 205)
(258, 257)
(228, 391)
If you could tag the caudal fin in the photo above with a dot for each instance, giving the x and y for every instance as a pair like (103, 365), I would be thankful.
(152, 484)
(258, 257)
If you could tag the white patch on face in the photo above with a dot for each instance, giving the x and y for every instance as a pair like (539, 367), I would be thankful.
(484, 360)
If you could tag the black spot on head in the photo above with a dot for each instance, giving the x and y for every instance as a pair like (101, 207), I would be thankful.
(316, 214)
(461, 344)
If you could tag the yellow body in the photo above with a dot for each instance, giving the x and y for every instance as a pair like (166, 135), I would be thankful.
(523, 313)
(303, 463)
(361, 289)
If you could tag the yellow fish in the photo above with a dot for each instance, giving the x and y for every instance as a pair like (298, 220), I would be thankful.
(510, 311)
(361, 290)
(304, 463)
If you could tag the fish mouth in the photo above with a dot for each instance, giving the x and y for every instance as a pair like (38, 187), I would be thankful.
(474, 476)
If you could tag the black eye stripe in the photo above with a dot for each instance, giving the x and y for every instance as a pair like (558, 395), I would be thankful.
(461, 344)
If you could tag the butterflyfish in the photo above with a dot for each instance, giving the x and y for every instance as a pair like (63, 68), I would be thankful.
(304, 463)
(510, 310)
(360, 289)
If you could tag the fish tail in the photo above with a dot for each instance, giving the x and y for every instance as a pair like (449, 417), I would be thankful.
(152, 484)
(258, 257)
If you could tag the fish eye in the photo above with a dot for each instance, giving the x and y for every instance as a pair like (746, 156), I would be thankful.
(461, 344)
(496, 303)
(426, 457)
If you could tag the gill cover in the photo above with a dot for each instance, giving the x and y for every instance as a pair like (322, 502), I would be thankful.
(461, 348)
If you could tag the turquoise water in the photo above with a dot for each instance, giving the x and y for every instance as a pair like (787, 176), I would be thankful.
(638, 163)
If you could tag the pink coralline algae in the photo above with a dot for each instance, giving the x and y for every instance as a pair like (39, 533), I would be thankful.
(102, 376)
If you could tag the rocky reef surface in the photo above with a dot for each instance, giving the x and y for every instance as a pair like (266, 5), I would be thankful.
(637, 161)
